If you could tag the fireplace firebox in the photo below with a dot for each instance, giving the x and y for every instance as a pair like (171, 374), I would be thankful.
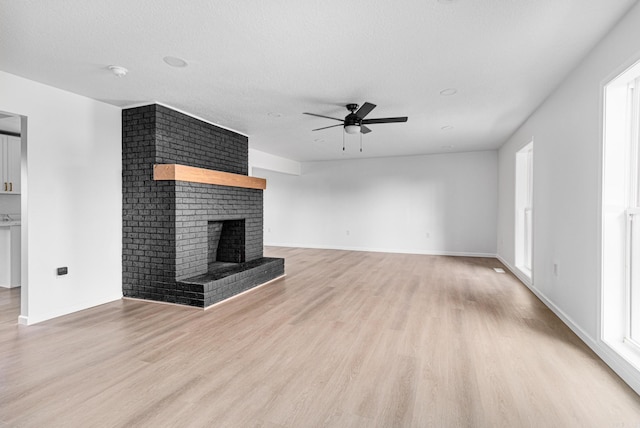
(225, 242)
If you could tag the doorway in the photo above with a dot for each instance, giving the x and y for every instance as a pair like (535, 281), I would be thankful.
(13, 274)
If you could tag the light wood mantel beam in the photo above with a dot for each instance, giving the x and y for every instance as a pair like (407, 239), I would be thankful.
(192, 174)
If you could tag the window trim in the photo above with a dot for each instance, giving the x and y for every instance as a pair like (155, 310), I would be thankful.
(524, 204)
(619, 198)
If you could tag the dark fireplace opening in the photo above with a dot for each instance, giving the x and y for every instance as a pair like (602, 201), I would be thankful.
(225, 242)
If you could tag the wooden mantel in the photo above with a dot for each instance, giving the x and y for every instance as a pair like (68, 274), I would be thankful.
(207, 176)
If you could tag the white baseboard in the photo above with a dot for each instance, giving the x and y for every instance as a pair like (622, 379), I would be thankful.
(9, 286)
(38, 318)
(383, 250)
(517, 272)
(623, 368)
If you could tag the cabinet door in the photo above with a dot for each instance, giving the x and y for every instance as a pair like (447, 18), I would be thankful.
(13, 164)
(9, 164)
(4, 156)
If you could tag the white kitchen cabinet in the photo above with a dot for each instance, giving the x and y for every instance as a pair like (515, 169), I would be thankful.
(9, 254)
(10, 164)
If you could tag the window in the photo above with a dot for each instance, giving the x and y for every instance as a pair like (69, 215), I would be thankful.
(621, 214)
(524, 210)
(633, 274)
(633, 211)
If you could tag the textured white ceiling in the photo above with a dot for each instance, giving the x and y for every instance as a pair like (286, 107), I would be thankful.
(255, 65)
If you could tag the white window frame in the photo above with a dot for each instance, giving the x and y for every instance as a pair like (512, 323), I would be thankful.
(632, 264)
(620, 289)
(524, 210)
(632, 279)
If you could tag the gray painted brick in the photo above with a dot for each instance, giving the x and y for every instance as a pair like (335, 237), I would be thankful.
(165, 223)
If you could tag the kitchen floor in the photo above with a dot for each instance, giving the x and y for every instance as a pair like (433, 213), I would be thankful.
(9, 305)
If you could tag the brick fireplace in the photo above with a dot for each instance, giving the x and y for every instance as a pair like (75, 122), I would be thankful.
(188, 242)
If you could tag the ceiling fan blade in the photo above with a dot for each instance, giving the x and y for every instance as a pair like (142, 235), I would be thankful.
(364, 129)
(365, 110)
(326, 127)
(384, 120)
(326, 117)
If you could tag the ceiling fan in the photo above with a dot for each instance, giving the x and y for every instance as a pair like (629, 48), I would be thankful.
(355, 121)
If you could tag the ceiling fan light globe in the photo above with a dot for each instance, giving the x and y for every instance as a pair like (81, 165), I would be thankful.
(352, 129)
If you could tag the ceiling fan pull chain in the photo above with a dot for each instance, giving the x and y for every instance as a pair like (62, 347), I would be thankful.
(360, 142)
(343, 140)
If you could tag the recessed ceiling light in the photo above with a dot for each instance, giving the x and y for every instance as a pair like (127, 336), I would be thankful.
(318, 140)
(118, 70)
(274, 114)
(446, 128)
(448, 91)
(174, 61)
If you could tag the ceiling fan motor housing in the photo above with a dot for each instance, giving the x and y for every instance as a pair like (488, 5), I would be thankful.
(352, 119)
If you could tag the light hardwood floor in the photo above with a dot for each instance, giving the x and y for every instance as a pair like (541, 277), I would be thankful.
(346, 339)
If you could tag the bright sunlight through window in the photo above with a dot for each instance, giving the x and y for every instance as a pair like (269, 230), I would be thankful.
(621, 215)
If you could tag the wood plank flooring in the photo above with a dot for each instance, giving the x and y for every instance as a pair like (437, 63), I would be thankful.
(346, 339)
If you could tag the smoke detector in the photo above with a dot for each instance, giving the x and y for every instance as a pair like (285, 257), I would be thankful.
(174, 61)
(118, 70)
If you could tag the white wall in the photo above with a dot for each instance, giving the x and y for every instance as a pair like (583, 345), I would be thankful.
(73, 198)
(262, 160)
(567, 173)
(439, 204)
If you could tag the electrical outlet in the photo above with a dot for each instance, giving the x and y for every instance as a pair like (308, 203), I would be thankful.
(555, 269)
(348, 233)
(428, 235)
